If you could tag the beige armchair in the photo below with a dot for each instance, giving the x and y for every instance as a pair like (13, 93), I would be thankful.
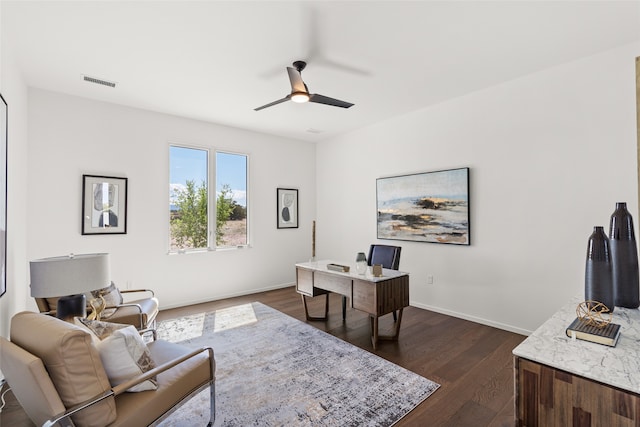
(140, 312)
(55, 371)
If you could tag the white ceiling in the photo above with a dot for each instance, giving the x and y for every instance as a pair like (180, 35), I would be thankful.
(216, 61)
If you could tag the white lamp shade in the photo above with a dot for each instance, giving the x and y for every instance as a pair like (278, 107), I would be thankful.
(69, 275)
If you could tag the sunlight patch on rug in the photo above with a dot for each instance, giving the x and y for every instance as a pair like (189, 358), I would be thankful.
(274, 370)
(234, 317)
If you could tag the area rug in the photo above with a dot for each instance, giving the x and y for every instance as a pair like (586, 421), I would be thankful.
(274, 370)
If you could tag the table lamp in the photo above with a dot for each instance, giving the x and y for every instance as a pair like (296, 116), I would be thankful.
(69, 278)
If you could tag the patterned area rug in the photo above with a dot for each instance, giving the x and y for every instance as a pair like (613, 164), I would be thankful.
(274, 370)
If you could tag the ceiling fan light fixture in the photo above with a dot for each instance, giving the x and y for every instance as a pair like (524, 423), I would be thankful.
(300, 92)
(300, 97)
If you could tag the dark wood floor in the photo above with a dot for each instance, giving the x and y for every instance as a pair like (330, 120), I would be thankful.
(472, 363)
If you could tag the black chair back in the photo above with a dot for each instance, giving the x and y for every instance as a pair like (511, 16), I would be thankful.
(388, 256)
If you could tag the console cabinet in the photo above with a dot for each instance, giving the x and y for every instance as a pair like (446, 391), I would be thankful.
(551, 397)
(560, 381)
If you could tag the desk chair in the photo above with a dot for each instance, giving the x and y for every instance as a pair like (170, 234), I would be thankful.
(389, 257)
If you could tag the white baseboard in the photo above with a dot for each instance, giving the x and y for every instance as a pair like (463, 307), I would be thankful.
(223, 296)
(464, 316)
(474, 319)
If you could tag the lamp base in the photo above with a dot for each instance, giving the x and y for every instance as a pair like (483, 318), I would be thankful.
(70, 306)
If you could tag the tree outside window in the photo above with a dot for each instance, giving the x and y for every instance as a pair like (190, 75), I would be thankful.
(190, 200)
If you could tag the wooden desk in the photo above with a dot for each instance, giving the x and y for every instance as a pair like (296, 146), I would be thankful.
(375, 296)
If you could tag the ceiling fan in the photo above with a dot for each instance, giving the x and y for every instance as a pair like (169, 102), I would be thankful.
(300, 92)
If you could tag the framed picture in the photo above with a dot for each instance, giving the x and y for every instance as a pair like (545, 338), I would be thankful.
(425, 207)
(4, 135)
(287, 208)
(104, 205)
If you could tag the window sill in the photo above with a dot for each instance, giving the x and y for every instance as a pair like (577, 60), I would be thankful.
(200, 251)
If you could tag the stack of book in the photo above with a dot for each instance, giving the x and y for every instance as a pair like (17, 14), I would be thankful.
(607, 335)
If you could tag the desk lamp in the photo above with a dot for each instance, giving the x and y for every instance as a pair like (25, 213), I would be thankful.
(69, 277)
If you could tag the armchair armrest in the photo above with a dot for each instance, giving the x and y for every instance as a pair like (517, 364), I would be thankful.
(153, 331)
(121, 388)
(130, 291)
(140, 313)
(126, 304)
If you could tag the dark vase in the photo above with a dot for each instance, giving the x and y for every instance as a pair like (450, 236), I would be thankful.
(598, 280)
(624, 258)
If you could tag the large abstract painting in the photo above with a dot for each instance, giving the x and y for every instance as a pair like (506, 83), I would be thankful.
(425, 207)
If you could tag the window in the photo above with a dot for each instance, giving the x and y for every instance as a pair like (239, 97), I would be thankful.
(194, 207)
(231, 199)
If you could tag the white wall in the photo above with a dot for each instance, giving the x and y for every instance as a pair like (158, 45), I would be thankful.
(14, 91)
(550, 155)
(70, 136)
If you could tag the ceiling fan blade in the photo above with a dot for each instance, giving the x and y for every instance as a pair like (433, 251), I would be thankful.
(271, 104)
(297, 85)
(321, 99)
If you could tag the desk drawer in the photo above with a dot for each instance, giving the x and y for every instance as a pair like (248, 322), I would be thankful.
(304, 281)
(334, 283)
(380, 298)
(364, 296)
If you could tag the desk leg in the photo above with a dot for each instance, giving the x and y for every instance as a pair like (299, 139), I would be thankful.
(397, 331)
(376, 336)
(326, 308)
(374, 330)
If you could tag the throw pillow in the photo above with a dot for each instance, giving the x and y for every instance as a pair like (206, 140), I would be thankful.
(123, 353)
(112, 297)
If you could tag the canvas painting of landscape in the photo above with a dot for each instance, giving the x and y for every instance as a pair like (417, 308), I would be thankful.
(425, 207)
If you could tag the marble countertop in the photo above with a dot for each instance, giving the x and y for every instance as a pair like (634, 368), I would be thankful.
(321, 265)
(618, 366)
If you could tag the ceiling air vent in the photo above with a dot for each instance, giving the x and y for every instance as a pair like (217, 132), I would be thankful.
(99, 81)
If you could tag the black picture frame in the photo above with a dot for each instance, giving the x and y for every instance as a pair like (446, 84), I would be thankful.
(430, 207)
(104, 205)
(287, 205)
(4, 138)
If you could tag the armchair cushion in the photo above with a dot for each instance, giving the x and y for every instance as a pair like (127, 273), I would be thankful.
(72, 361)
(123, 353)
(141, 317)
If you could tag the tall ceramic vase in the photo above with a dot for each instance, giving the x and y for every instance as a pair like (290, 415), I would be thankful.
(361, 263)
(624, 258)
(598, 281)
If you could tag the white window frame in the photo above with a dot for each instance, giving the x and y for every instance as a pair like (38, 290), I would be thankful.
(212, 199)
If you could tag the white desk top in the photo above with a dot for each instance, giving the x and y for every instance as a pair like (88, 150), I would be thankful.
(321, 265)
(617, 366)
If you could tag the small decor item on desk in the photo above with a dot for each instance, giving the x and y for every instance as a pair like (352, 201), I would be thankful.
(338, 267)
(377, 270)
(607, 335)
(313, 241)
(594, 313)
(361, 263)
(593, 323)
(624, 258)
(598, 281)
